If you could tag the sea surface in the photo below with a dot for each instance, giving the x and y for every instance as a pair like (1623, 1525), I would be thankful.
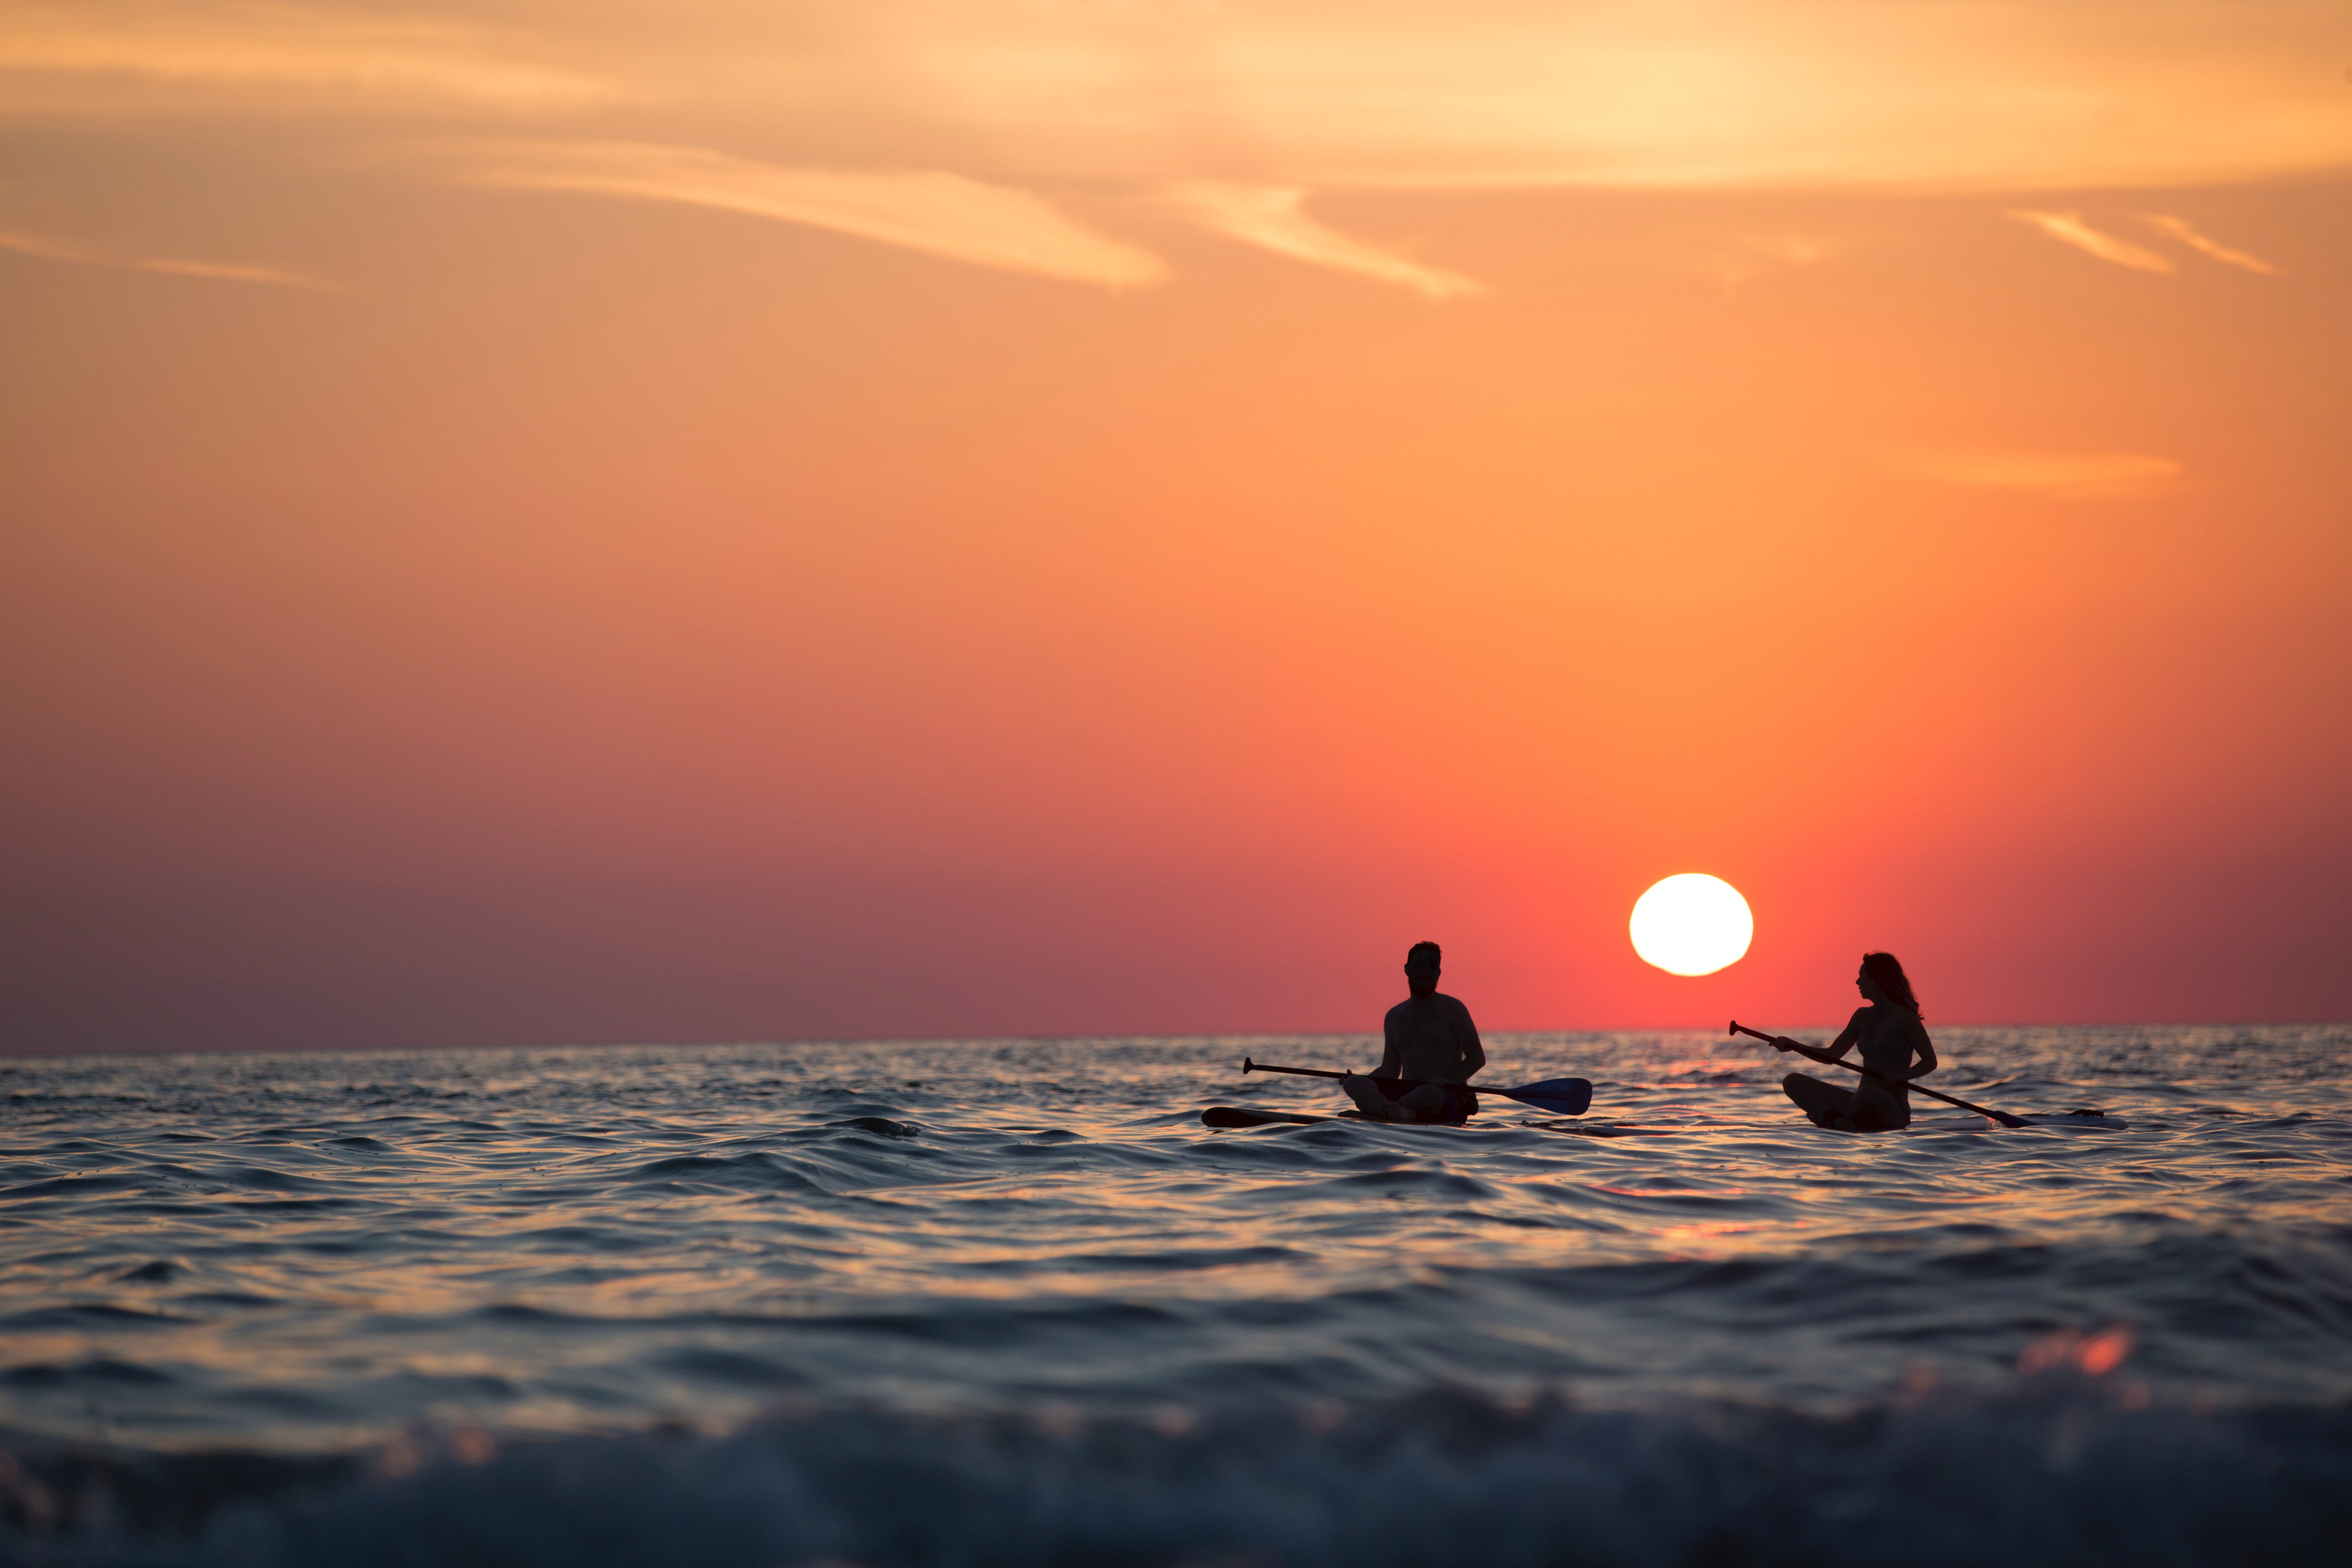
(1010, 1303)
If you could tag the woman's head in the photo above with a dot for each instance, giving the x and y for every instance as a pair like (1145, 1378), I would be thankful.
(1883, 970)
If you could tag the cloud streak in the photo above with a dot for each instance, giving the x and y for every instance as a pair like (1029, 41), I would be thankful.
(1741, 258)
(1984, 95)
(924, 210)
(2090, 476)
(105, 58)
(45, 248)
(1974, 95)
(238, 272)
(1273, 217)
(2188, 233)
(2068, 229)
(49, 248)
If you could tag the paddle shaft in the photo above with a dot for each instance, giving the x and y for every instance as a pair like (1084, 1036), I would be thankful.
(1565, 1096)
(1814, 1054)
(1249, 1066)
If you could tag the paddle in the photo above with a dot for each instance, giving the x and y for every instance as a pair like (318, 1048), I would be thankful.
(1561, 1096)
(1813, 1053)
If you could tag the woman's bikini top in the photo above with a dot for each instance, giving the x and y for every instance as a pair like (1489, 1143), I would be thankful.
(1885, 1045)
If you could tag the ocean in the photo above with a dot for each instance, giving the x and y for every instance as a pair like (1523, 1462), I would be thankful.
(996, 1303)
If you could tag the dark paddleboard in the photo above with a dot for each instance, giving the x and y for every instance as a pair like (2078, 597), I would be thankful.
(1232, 1116)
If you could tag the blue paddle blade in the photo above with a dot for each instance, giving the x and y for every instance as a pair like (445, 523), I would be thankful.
(1560, 1096)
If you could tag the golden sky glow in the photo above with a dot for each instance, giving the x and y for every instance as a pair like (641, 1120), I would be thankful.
(548, 522)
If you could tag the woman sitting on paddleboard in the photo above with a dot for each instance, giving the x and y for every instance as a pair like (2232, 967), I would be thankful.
(1889, 1032)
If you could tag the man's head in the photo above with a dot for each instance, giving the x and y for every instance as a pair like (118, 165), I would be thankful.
(1421, 967)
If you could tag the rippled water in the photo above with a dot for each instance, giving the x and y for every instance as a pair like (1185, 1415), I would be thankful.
(1011, 1302)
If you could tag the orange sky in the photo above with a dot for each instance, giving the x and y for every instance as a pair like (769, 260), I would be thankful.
(600, 522)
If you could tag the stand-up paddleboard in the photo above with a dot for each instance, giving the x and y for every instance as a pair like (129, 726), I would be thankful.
(1559, 1096)
(2099, 1121)
(1233, 1116)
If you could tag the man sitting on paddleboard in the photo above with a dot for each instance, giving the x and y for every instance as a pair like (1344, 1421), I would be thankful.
(1428, 1038)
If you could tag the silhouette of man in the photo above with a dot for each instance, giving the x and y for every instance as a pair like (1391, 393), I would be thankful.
(1428, 1038)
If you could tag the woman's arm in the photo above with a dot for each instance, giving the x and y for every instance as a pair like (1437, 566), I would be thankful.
(1837, 1048)
(1925, 1046)
(1834, 1049)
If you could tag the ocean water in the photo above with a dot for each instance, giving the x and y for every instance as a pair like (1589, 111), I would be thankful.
(999, 1303)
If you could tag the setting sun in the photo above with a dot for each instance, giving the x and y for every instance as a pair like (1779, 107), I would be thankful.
(1692, 924)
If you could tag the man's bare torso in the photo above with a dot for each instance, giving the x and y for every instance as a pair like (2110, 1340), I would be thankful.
(1431, 1038)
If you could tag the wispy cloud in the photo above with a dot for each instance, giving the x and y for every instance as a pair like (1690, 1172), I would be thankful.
(1741, 258)
(42, 245)
(1983, 95)
(1273, 217)
(50, 248)
(2188, 233)
(244, 50)
(925, 210)
(2099, 476)
(2068, 229)
(238, 272)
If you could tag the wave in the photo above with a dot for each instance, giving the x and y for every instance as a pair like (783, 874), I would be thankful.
(2056, 1474)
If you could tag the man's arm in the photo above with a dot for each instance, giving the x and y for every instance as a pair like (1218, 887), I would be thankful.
(1391, 1063)
(1474, 1051)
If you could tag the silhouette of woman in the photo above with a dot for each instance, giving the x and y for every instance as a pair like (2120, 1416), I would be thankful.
(1890, 1034)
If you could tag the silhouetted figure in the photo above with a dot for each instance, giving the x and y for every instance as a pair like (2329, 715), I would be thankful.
(1890, 1034)
(1431, 1038)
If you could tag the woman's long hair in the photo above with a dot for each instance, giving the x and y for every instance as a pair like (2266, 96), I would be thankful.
(1886, 973)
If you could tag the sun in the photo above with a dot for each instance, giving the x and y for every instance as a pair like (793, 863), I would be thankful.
(1692, 924)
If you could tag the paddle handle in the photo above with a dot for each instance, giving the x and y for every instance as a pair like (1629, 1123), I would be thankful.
(1249, 1066)
(2003, 1117)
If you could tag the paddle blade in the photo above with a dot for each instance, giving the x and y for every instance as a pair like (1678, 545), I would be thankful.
(1560, 1096)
